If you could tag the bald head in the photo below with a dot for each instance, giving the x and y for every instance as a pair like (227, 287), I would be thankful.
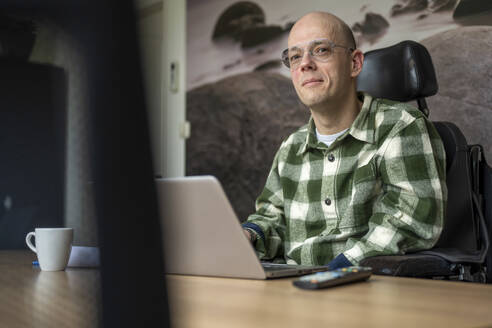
(325, 23)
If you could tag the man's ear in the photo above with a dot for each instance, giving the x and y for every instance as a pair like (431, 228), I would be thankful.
(357, 62)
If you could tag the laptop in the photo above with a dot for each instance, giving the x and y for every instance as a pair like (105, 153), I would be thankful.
(203, 236)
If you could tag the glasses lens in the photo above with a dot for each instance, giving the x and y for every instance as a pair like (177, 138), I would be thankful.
(321, 50)
(285, 58)
(295, 56)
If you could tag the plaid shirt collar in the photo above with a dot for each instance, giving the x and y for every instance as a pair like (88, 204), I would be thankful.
(362, 129)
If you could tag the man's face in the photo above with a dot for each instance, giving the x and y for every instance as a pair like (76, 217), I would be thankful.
(318, 83)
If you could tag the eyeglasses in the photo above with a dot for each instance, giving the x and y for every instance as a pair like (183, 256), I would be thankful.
(320, 49)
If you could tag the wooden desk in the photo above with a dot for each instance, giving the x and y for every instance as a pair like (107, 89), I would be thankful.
(31, 298)
(380, 302)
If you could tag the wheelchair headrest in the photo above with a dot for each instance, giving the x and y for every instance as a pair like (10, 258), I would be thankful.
(402, 72)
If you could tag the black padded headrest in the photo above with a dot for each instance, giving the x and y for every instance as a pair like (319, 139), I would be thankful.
(402, 72)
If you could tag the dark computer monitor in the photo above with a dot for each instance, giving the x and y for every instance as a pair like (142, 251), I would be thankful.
(32, 148)
(132, 268)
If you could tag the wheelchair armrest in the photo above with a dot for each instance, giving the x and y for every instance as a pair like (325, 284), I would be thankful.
(410, 265)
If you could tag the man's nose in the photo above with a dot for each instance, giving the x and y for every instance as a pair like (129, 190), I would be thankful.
(307, 61)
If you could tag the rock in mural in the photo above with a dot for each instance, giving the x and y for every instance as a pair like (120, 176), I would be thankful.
(415, 6)
(238, 124)
(408, 6)
(441, 5)
(372, 28)
(473, 12)
(269, 65)
(237, 18)
(244, 21)
(259, 34)
(464, 74)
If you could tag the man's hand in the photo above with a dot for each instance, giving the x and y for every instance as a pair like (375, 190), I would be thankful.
(248, 234)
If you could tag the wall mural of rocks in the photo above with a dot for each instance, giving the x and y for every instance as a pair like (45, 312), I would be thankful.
(241, 103)
(238, 124)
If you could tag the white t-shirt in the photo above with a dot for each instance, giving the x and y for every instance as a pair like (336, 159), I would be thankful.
(328, 139)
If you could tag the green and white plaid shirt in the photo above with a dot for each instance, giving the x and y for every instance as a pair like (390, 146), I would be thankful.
(378, 189)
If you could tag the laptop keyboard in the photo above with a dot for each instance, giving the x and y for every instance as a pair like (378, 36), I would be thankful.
(279, 266)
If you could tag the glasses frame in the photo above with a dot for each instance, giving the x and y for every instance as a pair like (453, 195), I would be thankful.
(331, 44)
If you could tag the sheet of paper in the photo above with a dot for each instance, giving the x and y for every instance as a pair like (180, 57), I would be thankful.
(84, 256)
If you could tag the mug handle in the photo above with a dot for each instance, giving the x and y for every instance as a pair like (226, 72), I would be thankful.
(29, 243)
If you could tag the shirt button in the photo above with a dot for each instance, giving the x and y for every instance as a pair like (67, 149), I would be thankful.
(328, 201)
(331, 157)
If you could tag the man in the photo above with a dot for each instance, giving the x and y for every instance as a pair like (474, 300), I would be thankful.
(364, 177)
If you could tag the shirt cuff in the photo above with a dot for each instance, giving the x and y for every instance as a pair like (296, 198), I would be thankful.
(256, 228)
(339, 262)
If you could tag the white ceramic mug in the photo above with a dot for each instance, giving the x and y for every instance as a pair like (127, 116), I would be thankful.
(53, 247)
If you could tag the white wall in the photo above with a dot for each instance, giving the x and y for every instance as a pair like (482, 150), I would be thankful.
(163, 41)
